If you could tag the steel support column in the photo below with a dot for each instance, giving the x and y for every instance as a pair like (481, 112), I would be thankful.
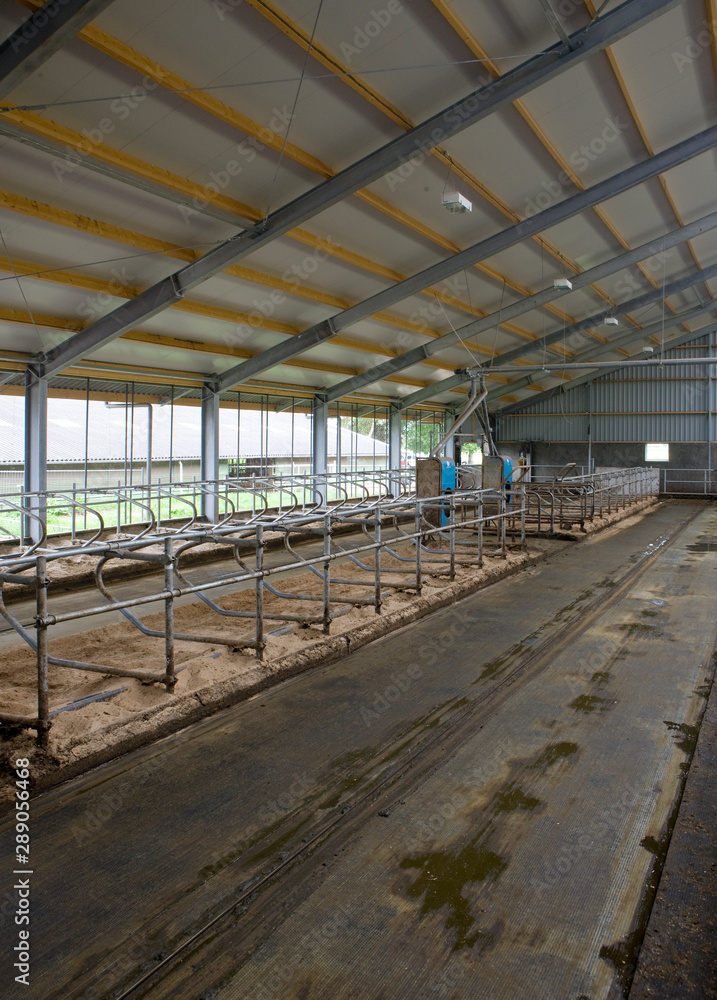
(35, 450)
(209, 459)
(320, 435)
(394, 444)
(711, 406)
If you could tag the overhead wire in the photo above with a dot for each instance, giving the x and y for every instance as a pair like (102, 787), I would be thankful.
(16, 277)
(113, 260)
(264, 83)
(293, 110)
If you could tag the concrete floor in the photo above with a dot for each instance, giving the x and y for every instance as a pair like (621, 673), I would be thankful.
(477, 806)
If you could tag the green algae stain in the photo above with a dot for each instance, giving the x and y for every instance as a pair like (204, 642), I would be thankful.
(511, 797)
(587, 703)
(600, 677)
(649, 614)
(443, 878)
(553, 753)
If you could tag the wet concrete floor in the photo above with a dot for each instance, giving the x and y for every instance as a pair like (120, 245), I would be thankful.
(477, 806)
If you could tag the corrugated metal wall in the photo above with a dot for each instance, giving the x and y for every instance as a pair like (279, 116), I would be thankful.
(638, 404)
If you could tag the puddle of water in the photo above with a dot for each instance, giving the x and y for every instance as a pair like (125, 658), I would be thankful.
(702, 547)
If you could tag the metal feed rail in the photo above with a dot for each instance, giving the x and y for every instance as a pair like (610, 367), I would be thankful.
(400, 544)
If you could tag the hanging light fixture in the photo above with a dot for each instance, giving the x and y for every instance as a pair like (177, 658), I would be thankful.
(454, 201)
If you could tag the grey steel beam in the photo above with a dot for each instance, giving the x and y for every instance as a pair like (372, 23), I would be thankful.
(44, 32)
(531, 346)
(209, 458)
(522, 306)
(320, 435)
(411, 147)
(88, 162)
(445, 385)
(622, 309)
(590, 376)
(549, 217)
(654, 329)
(418, 354)
(35, 451)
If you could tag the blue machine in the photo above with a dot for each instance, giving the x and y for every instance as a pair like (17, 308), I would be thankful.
(448, 474)
(448, 482)
(508, 477)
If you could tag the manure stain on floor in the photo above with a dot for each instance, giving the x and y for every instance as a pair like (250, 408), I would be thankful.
(688, 742)
(637, 628)
(553, 753)
(510, 797)
(494, 666)
(444, 876)
(588, 703)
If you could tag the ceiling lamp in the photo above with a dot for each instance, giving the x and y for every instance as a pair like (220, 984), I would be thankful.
(454, 201)
(564, 284)
(611, 321)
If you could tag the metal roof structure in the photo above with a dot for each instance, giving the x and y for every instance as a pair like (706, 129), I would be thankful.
(250, 194)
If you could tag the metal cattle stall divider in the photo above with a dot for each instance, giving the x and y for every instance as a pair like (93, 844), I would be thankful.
(405, 530)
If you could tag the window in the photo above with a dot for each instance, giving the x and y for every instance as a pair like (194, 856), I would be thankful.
(657, 453)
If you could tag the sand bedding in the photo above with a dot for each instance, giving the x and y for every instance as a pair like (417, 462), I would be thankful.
(214, 674)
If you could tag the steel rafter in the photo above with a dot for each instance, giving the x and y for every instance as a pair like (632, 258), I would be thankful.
(551, 216)
(654, 329)
(623, 260)
(41, 35)
(509, 408)
(411, 145)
